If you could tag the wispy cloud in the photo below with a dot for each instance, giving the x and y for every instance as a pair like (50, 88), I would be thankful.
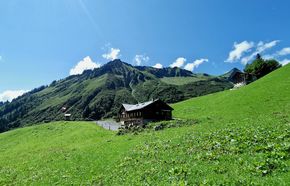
(85, 64)
(140, 59)
(264, 46)
(269, 56)
(278, 54)
(9, 95)
(285, 62)
(112, 54)
(246, 51)
(0, 58)
(284, 52)
(239, 50)
(261, 47)
(158, 65)
(179, 62)
(245, 60)
(195, 64)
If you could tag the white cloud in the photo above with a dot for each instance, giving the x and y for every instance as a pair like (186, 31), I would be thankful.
(0, 58)
(260, 48)
(269, 56)
(9, 95)
(158, 65)
(239, 50)
(85, 64)
(246, 59)
(112, 54)
(195, 64)
(264, 46)
(141, 59)
(285, 62)
(179, 62)
(284, 52)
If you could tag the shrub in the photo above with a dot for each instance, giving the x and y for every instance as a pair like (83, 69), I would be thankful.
(260, 67)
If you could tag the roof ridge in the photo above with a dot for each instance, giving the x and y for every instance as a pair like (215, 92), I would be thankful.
(129, 107)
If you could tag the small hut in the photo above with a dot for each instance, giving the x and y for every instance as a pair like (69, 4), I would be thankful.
(67, 116)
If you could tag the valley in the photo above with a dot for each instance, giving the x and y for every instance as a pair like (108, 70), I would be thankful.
(98, 94)
(239, 137)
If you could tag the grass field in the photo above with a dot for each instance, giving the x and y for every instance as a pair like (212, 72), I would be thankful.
(241, 138)
(64, 153)
(61, 152)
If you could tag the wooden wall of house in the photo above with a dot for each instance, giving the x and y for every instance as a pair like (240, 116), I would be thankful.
(133, 114)
(158, 110)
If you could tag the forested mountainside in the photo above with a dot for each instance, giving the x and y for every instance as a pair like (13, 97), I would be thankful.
(98, 93)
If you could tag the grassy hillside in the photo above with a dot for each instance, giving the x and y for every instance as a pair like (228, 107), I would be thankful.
(266, 98)
(241, 137)
(185, 80)
(62, 152)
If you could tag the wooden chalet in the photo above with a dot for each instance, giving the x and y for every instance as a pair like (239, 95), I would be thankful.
(142, 113)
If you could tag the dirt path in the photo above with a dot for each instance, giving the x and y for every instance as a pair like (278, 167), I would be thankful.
(109, 124)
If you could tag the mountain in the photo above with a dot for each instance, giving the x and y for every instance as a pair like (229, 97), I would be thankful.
(228, 76)
(234, 137)
(166, 72)
(99, 93)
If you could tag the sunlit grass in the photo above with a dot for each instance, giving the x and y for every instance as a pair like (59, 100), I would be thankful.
(239, 137)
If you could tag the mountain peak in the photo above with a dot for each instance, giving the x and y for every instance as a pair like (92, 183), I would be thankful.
(235, 70)
(116, 63)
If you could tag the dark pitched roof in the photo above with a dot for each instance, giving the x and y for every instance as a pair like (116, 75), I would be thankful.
(129, 107)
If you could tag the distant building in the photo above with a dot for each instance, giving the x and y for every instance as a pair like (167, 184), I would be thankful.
(67, 116)
(142, 113)
(238, 77)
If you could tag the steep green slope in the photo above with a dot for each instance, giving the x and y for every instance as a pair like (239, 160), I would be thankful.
(241, 138)
(266, 98)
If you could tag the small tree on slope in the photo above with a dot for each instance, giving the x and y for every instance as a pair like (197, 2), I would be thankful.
(260, 67)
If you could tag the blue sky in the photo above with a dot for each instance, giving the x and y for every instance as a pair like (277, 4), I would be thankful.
(41, 41)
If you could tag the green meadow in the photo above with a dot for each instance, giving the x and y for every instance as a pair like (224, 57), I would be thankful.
(238, 137)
